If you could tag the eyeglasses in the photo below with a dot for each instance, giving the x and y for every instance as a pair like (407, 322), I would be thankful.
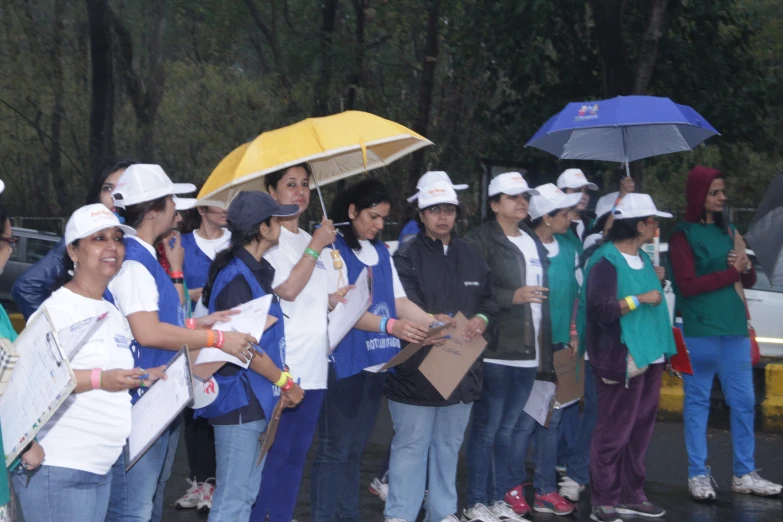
(652, 220)
(446, 209)
(12, 241)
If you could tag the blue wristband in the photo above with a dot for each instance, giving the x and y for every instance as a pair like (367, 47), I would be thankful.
(636, 301)
(384, 321)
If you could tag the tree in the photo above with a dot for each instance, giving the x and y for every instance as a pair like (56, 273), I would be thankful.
(102, 92)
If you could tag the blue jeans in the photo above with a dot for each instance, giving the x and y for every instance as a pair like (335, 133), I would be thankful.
(729, 358)
(57, 494)
(577, 459)
(347, 419)
(420, 431)
(286, 459)
(238, 475)
(134, 493)
(546, 439)
(504, 394)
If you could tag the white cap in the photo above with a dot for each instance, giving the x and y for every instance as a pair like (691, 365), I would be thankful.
(431, 177)
(143, 182)
(605, 204)
(574, 179)
(437, 193)
(550, 198)
(90, 219)
(2, 186)
(211, 203)
(637, 205)
(509, 183)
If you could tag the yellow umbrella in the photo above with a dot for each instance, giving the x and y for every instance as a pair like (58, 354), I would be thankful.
(336, 147)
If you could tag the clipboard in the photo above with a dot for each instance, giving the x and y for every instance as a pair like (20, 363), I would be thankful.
(30, 398)
(267, 438)
(148, 429)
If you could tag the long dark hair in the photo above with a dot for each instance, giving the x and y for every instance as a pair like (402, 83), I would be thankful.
(623, 229)
(363, 195)
(271, 180)
(134, 214)
(99, 178)
(239, 238)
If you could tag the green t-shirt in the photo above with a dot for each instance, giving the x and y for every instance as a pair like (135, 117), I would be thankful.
(6, 331)
(563, 289)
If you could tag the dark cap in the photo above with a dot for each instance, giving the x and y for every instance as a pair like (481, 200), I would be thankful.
(253, 207)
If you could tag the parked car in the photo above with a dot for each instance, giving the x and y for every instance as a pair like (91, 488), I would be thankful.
(31, 247)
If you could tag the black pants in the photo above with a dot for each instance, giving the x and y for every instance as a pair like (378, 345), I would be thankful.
(200, 445)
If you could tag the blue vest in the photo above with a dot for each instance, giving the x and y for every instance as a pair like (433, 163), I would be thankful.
(196, 265)
(360, 349)
(234, 389)
(169, 309)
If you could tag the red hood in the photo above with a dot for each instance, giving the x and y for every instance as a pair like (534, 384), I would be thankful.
(699, 180)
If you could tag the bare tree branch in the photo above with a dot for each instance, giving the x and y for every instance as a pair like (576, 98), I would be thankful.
(649, 49)
(270, 38)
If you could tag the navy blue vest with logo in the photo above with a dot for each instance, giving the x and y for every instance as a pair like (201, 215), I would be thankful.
(196, 265)
(360, 349)
(233, 389)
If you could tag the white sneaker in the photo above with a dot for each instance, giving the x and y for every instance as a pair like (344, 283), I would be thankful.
(207, 492)
(191, 497)
(479, 513)
(379, 489)
(701, 488)
(570, 489)
(503, 511)
(752, 484)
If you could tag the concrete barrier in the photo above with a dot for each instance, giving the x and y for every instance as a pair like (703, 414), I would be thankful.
(772, 405)
(672, 397)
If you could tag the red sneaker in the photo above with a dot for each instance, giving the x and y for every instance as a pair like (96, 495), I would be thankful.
(553, 503)
(516, 499)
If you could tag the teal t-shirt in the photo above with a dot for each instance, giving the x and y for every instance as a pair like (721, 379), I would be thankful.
(6, 331)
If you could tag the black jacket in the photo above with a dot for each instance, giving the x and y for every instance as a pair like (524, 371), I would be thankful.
(458, 281)
(35, 285)
(512, 335)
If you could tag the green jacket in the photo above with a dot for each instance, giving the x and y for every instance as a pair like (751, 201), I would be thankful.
(512, 335)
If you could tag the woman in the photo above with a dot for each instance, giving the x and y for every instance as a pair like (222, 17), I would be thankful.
(201, 245)
(627, 327)
(85, 437)
(708, 275)
(153, 302)
(301, 282)
(549, 218)
(574, 181)
(247, 396)
(434, 267)
(36, 284)
(354, 388)
(32, 457)
(521, 345)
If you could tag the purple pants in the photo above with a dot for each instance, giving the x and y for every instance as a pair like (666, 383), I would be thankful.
(626, 421)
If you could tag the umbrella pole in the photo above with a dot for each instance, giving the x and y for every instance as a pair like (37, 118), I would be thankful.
(318, 189)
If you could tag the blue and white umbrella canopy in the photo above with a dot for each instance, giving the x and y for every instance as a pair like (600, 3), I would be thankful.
(622, 129)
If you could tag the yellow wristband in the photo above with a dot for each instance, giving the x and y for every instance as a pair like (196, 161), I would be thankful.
(630, 302)
(283, 379)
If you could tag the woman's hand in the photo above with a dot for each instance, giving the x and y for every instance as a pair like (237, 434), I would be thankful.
(652, 297)
(120, 380)
(174, 251)
(293, 396)
(339, 296)
(155, 374)
(195, 293)
(239, 345)
(573, 349)
(33, 457)
(740, 262)
(208, 321)
(660, 272)
(409, 331)
(323, 235)
(474, 328)
(530, 294)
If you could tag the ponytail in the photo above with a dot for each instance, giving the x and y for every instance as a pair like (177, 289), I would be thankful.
(221, 261)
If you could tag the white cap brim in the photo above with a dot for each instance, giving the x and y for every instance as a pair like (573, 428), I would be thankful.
(2, 186)
(212, 203)
(590, 186)
(516, 192)
(183, 188)
(184, 203)
(455, 187)
(129, 231)
(663, 214)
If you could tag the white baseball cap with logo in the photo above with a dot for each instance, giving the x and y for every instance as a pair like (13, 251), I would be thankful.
(605, 204)
(437, 193)
(144, 182)
(549, 199)
(574, 179)
(511, 184)
(635, 205)
(431, 177)
(90, 219)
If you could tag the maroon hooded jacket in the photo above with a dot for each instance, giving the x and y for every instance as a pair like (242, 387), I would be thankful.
(680, 252)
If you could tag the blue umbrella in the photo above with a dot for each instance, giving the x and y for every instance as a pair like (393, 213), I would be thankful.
(622, 129)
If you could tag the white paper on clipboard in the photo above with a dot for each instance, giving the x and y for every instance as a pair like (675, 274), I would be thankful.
(160, 405)
(75, 336)
(346, 315)
(41, 381)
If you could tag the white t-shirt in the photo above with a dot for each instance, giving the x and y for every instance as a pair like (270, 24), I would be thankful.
(534, 276)
(636, 263)
(369, 256)
(89, 430)
(307, 347)
(134, 288)
(580, 227)
(212, 246)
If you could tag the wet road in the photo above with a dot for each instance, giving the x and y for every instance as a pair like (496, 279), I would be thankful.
(667, 475)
